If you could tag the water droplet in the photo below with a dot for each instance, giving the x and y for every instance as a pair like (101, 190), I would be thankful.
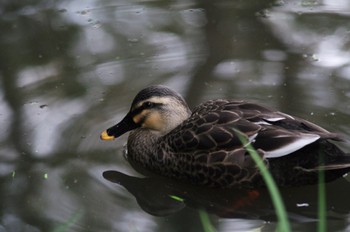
(42, 106)
(263, 14)
(83, 12)
(62, 10)
(279, 3)
(314, 58)
(96, 24)
(133, 40)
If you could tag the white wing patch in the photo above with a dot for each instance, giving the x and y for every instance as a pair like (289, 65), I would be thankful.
(262, 123)
(267, 120)
(299, 143)
(286, 115)
(274, 119)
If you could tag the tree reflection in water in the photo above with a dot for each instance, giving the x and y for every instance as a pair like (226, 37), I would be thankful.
(66, 68)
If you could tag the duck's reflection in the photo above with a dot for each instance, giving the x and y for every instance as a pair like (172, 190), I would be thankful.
(161, 197)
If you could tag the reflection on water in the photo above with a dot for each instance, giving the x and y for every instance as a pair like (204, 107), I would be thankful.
(162, 197)
(68, 70)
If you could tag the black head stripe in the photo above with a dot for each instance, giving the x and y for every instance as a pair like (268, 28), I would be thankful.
(156, 91)
(146, 105)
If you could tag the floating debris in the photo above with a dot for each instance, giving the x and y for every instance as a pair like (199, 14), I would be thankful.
(176, 198)
(303, 205)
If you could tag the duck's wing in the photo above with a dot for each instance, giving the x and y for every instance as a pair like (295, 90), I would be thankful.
(215, 126)
(282, 134)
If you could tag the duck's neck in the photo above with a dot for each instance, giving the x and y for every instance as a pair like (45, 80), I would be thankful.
(142, 146)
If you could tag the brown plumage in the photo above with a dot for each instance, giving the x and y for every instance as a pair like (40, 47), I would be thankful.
(203, 147)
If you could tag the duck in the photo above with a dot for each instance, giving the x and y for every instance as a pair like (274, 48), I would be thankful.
(204, 146)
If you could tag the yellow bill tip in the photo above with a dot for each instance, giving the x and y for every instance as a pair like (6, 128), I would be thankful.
(105, 136)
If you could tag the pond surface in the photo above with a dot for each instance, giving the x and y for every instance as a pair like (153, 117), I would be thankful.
(70, 69)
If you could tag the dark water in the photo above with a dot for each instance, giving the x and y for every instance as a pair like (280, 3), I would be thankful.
(69, 70)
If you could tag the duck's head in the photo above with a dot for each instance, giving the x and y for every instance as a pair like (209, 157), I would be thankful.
(156, 108)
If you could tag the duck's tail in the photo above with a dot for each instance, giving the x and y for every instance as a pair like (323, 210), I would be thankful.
(341, 164)
(330, 167)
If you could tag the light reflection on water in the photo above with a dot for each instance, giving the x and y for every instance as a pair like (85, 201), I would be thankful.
(69, 71)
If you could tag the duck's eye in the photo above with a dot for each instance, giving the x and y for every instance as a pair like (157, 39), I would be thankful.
(148, 104)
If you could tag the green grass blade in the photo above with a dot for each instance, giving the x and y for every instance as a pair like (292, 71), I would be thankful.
(322, 222)
(176, 198)
(71, 221)
(207, 225)
(283, 222)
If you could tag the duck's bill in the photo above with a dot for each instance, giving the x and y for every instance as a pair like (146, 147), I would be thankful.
(105, 136)
(117, 130)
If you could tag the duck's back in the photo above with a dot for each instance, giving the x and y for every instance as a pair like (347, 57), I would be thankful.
(206, 147)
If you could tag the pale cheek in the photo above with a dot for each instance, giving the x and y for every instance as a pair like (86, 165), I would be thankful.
(154, 121)
(137, 119)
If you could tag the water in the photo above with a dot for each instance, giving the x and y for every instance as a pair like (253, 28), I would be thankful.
(70, 70)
